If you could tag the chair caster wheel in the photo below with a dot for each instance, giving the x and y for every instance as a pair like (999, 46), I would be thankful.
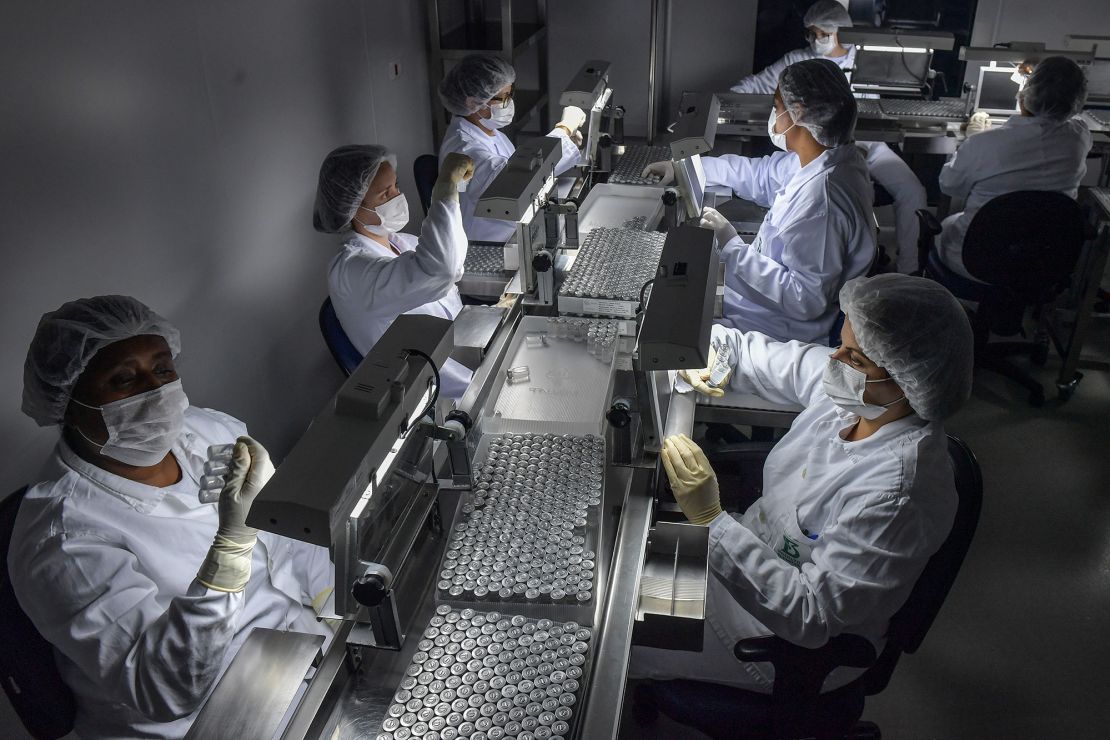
(1066, 390)
(1036, 398)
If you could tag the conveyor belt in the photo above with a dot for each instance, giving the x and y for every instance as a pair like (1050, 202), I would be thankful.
(611, 267)
(635, 158)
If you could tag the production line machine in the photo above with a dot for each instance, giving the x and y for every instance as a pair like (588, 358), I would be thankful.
(494, 560)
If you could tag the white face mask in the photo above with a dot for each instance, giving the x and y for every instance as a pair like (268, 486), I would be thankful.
(823, 47)
(845, 385)
(777, 139)
(500, 115)
(394, 214)
(142, 428)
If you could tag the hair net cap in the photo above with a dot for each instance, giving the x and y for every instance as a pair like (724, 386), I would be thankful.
(817, 95)
(828, 15)
(1056, 89)
(345, 177)
(473, 82)
(919, 333)
(66, 341)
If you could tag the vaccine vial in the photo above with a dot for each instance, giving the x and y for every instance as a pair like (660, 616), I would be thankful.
(216, 468)
(718, 374)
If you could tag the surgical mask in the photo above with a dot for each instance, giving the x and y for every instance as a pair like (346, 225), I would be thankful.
(777, 139)
(142, 428)
(500, 115)
(845, 385)
(394, 214)
(823, 47)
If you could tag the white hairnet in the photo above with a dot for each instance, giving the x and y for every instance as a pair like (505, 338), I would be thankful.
(471, 83)
(818, 97)
(68, 338)
(1056, 89)
(919, 333)
(345, 177)
(828, 15)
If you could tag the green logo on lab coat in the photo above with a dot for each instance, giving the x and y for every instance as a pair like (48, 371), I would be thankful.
(790, 552)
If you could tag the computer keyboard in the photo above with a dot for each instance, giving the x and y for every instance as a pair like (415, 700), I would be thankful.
(954, 108)
(634, 160)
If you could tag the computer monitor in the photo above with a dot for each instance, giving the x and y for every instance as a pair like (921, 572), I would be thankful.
(997, 92)
(690, 180)
(891, 68)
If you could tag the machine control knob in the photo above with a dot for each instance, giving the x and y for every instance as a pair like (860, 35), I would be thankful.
(619, 415)
(670, 197)
(372, 588)
(542, 261)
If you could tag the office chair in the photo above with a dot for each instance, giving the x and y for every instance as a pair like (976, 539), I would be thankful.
(425, 170)
(344, 353)
(40, 697)
(1023, 246)
(796, 708)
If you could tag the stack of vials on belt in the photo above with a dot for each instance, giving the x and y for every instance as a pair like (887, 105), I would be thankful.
(490, 676)
(525, 536)
(629, 168)
(482, 259)
(613, 264)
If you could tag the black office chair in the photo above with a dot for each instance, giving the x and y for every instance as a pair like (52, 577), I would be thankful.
(42, 700)
(340, 346)
(425, 170)
(796, 708)
(1023, 246)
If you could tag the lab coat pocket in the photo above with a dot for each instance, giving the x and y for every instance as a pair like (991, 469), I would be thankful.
(790, 542)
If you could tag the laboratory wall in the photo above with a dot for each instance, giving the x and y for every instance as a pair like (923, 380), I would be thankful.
(711, 47)
(170, 151)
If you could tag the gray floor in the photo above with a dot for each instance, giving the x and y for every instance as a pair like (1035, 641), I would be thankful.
(1021, 644)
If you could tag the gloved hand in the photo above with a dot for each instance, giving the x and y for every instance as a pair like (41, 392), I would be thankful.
(697, 378)
(228, 564)
(979, 122)
(572, 120)
(663, 170)
(507, 300)
(692, 479)
(724, 231)
(457, 168)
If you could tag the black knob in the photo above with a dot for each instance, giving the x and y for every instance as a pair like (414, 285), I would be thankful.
(604, 141)
(670, 197)
(618, 415)
(369, 590)
(541, 262)
(462, 417)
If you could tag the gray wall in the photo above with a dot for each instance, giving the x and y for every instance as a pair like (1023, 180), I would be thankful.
(169, 151)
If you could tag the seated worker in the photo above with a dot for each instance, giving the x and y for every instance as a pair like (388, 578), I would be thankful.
(106, 548)
(822, 21)
(819, 232)
(1044, 148)
(857, 496)
(479, 92)
(380, 273)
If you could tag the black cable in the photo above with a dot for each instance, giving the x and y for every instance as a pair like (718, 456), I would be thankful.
(435, 392)
(643, 288)
(902, 56)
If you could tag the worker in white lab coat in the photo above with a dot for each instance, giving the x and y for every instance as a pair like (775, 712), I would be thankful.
(822, 21)
(478, 91)
(379, 272)
(107, 545)
(857, 496)
(819, 232)
(1044, 148)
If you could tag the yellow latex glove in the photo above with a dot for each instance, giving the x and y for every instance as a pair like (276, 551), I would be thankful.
(692, 479)
(228, 564)
(697, 378)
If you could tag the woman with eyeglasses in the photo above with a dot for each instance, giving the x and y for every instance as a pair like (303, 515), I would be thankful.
(479, 92)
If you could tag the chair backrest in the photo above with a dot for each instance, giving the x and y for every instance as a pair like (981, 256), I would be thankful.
(425, 170)
(1028, 241)
(911, 623)
(31, 680)
(340, 346)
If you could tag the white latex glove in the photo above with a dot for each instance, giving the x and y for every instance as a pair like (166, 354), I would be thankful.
(697, 378)
(692, 479)
(228, 564)
(572, 120)
(724, 231)
(507, 300)
(457, 168)
(978, 123)
(663, 170)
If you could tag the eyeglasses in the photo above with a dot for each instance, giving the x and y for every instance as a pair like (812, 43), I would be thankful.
(813, 35)
(503, 100)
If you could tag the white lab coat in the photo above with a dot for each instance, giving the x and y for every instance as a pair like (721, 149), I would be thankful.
(106, 569)
(878, 509)
(490, 153)
(885, 166)
(370, 286)
(1025, 153)
(818, 235)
